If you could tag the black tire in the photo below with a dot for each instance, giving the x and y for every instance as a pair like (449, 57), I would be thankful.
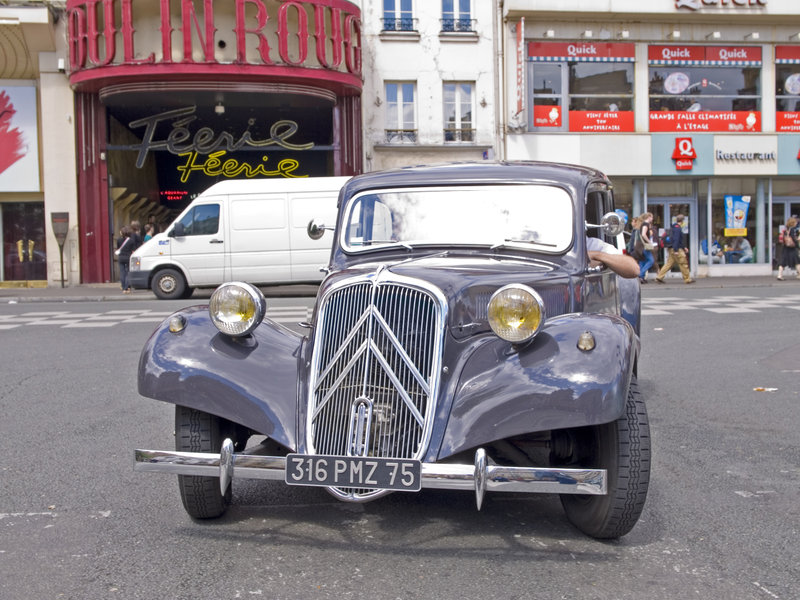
(197, 431)
(623, 449)
(169, 284)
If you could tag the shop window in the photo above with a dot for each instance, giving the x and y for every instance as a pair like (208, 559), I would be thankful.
(456, 15)
(400, 113)
(398, 15)
(705, 88)
(458, 111)
(787, 88)
(581, 87)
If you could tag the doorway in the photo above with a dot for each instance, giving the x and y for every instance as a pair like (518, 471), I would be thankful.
(665, 209)
(24, 256)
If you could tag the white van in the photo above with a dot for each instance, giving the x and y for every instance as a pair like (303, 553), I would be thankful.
(244, 230)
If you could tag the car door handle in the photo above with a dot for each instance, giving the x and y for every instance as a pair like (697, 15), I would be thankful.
(216, 242)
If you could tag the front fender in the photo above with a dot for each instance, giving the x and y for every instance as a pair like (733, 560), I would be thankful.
(252, 381)
(550, 384)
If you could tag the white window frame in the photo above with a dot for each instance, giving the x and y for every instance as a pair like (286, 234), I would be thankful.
(401, 127)
(460, 106)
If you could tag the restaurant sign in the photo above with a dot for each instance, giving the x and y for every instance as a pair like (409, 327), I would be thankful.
(700, 4)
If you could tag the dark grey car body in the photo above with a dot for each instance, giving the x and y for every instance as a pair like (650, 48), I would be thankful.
(475, 390)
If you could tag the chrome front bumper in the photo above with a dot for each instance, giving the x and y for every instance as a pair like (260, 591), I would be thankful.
(481, 476)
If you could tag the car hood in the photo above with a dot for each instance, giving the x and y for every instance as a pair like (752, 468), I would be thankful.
(468, 282)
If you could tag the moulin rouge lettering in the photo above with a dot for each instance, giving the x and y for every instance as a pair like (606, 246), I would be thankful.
(205, 140)
(94, 26)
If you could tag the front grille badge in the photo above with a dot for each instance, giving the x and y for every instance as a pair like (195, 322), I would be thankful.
(358, 434)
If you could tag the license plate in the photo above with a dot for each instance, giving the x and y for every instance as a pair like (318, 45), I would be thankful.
(354, 472)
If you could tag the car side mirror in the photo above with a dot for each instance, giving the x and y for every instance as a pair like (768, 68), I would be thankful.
(176, 231)
(315, 231)
(611, 224)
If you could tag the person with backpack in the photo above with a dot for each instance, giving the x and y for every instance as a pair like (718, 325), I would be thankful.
(788, 239)
(678, 252)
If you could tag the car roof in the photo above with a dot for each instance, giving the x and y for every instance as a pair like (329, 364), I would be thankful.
(479, 172)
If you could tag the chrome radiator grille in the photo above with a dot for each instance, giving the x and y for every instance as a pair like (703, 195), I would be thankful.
(375, 370)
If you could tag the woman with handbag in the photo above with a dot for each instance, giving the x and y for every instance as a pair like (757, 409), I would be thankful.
(648, 246)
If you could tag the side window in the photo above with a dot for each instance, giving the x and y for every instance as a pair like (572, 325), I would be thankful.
(201, 220)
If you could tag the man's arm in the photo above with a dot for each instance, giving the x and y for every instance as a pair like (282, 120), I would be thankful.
(622, 264)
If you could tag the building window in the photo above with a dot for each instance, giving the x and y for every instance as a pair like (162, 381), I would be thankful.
(705, 88)
(456, 15)
(400, 113)
(398, 15)
(581, 87)
(458, 110)
(787, 88)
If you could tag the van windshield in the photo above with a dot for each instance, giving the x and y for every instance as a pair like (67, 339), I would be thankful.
(539, 217)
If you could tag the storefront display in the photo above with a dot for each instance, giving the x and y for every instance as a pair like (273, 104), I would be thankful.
(582, 87)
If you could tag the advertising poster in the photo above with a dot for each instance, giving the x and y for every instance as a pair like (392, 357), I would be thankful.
(736, 208)
(19, 148)
(684, 81)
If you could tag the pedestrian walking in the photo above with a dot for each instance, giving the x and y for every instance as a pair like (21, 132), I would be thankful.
(677, 253)
(123, 254)
(646, 233)
(788, 240)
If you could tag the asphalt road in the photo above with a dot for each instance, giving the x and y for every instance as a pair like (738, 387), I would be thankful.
(721, 520)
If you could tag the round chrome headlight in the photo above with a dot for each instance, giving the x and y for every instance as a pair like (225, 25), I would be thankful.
(237, 308)
(516, 313)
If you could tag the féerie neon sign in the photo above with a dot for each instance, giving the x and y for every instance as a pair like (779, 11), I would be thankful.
(214, 166)
(205, 140)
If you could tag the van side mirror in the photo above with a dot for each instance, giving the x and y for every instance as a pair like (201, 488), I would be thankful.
(315, 231)
(176, 231)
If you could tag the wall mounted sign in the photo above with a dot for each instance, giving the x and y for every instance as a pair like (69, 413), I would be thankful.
(293, 33)
(700, 4)
(684, 154)
(182, 141)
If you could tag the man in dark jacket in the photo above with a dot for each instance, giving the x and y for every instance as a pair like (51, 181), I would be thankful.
(678, 252)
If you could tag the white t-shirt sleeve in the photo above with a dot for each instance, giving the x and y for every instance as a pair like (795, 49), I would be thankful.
(593, 243)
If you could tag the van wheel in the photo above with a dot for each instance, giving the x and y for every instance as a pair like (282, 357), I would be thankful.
(169, 284)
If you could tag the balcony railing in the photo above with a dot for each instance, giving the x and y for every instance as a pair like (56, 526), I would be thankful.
(459, 135)
(399, 24)
(459, 24)
(401, 136)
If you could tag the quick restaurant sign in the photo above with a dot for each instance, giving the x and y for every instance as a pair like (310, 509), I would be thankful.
(700, 4)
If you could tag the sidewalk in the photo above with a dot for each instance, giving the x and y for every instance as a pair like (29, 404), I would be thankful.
(110, 292)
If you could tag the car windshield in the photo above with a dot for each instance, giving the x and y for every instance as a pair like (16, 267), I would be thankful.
(538, 217)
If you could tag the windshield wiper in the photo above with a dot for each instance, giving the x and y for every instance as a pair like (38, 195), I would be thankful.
(518, 241)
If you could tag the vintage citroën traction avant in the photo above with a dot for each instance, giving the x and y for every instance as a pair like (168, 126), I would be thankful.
(462, 340)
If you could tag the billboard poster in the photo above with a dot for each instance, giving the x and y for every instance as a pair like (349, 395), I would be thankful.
(736, 208)
(19, 147)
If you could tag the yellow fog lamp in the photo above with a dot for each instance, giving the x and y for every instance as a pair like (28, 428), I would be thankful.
(516, 313)
(237, 308)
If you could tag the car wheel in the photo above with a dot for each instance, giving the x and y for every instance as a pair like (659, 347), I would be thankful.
(623, 449)
(197, 431)
(169, 284)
